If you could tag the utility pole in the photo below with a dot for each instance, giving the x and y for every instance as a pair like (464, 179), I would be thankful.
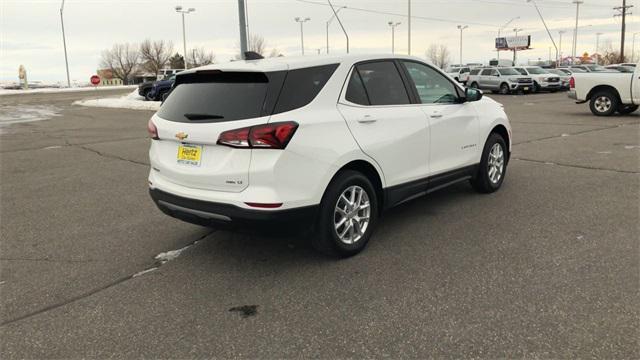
(409, 26)
(393, 35)
(243, 28)
(560, 46)
(575, 31)
(64, 44)
(302, 21)
(623, 12)
(598, 48)
(461, 28)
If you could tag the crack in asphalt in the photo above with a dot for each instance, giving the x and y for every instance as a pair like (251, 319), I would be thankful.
(67, 143)
(52, 260)
(570, 134)
(577, 166)
(110, 156)
(96, 290)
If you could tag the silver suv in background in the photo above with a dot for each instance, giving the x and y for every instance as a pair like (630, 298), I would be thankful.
(505, 80)
(543, 80)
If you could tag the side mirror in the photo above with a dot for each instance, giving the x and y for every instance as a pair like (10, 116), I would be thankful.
(472, 94)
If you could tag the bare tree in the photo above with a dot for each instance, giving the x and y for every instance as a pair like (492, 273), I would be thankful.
(199, 56)
(257, 44)
(155, 54)
(608, 54)
(275, 53)
(439, 55)
(123, 61)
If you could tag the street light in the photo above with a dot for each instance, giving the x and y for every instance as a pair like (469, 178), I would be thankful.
(515, 50)
(546, 28)
(302, 21)
(560, 45)
(329, 22)
(461, 28)
(64, 44)
(182, 11)
(393, 35)
(598, 48)
(633, 47)
(504, 27)
(575, 32)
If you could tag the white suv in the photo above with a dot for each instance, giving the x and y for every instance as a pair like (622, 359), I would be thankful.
(325, 142)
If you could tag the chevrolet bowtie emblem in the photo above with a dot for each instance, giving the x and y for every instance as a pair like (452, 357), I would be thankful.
(181, 136)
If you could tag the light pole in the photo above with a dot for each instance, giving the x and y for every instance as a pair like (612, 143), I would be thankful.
(504, 27)
(64, 44)
(545, 26)
(515, 50)
(329, 22)
(302, 21)
(633, 47)
(461, 28)
(182, 11)
(575, 32)
(598, 48)
(560, 45)
(409, 26)
(393, 35)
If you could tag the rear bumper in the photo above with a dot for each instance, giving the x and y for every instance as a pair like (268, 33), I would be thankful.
(229, 216)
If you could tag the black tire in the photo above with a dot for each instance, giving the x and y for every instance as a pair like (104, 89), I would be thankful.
(148, 96)
(481, 182)
(474, 85)
(144, 93)
(627, 109)
(535, 88)
(505, 89)
(604, 103)
(326, 239)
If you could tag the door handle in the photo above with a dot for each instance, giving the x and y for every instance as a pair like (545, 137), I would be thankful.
(436, 116)
(367, 119)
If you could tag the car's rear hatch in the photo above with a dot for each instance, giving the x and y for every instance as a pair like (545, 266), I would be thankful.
(202, 106)
(205, 103)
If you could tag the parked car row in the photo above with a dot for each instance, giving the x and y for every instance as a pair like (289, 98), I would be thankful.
(518, 79)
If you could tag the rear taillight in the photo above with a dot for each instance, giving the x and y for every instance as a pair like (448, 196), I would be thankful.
(572, 83)
(266, 136)
(153, 130)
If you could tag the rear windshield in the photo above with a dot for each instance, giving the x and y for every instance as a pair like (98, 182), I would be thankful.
(215, 96)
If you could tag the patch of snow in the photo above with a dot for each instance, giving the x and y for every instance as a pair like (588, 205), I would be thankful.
(65, 89)
(631, 147)
(604, 152)
(565, 135)
(53, 147)
(15, 114)
(131, 101)
(170, 255)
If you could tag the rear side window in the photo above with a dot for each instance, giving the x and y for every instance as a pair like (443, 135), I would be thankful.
(486, 72)
(301, 86)
(355, 90)
(383, 83)
(474, 72)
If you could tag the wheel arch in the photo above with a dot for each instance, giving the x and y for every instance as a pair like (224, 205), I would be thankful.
(371, 172)
(599, 88)
(501, 130)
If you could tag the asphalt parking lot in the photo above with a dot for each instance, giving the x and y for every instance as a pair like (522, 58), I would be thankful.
(548, 267)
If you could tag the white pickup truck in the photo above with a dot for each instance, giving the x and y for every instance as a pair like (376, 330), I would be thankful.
(607, 92)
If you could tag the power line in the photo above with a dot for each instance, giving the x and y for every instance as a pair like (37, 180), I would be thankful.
(426, 18)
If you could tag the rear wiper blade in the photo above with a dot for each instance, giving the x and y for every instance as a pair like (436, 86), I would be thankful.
(192, 116)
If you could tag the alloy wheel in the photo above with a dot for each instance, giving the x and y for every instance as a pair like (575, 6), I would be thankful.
(352, 214)
(603, 104)
(495, 165)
